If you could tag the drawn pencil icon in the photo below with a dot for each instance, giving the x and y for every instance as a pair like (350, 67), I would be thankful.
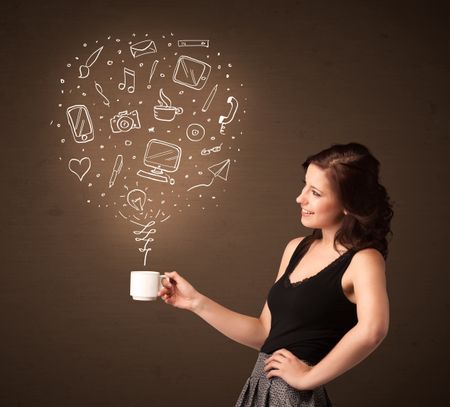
(116, 169)
(210, 98)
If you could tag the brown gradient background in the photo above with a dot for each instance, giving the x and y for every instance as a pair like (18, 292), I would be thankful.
(315, 73)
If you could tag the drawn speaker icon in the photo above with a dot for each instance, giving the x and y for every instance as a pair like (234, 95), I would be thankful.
(80, 123)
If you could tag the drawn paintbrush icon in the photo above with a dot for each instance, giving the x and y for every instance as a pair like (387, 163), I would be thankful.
(84, 69)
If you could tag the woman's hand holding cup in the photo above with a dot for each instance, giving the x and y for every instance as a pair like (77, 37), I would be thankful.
(178, 292)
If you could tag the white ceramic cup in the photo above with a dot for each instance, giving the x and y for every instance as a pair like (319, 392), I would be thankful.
(144, 285)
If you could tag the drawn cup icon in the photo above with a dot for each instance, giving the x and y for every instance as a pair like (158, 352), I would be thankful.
(165, 111)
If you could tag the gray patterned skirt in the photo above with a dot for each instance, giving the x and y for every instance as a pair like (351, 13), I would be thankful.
(259, 391)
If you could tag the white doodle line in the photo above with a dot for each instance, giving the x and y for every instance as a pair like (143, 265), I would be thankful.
(128, 75)
(143, 48)
(123, 121)
(79, 171)
(218, 170)
(80, 123)
(136, 198)
(116, 169)
(195, 132)
(215, 149)
(99, 89)
(224, 120)
(162, 157)
(165, 111)
(85, 69)
(193, 43)
(210, 98)
(147, 232)
(152, 72)
(191, 72)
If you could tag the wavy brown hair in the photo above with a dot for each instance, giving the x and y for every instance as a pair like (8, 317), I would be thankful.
(354, 174)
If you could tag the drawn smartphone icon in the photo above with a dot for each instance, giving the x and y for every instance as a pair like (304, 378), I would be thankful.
(80, 123)
(191, 72)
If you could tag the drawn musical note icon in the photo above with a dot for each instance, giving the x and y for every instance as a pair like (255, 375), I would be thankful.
(128, 76)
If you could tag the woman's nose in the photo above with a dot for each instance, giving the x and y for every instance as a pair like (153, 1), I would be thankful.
(300, 199)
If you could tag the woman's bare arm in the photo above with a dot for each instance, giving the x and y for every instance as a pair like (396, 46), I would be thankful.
(246, 330)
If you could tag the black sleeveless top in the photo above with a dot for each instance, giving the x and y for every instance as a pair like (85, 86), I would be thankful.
(310, 316)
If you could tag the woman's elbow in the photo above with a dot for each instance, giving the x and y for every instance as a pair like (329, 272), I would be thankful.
(376, 333)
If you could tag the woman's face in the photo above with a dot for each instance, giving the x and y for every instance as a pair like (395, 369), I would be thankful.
(320, 206)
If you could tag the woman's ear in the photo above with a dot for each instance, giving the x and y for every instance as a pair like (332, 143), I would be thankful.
(345, 212)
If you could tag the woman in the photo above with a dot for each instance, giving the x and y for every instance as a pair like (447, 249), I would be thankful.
(328, 309)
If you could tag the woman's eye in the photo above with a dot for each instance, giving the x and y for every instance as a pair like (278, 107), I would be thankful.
(315, 193)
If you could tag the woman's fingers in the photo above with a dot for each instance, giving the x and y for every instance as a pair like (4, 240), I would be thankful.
(165, 291)
(166, 283)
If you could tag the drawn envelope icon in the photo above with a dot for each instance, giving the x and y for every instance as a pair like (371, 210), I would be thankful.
(143, 48)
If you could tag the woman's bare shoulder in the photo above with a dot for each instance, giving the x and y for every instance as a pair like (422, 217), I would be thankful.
(369, 254)
(368, 259)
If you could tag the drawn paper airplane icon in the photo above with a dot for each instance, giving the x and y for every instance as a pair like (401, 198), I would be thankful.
(218, 170)
(221, 170)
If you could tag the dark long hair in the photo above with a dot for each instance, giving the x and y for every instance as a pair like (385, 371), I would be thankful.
(353, 172)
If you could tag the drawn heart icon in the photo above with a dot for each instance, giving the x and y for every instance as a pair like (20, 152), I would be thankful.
(80, 167)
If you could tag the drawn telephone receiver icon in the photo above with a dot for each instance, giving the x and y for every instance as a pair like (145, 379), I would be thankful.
(223, 120)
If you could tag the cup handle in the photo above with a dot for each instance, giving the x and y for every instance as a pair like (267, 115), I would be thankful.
(179, 110)
(161, 276)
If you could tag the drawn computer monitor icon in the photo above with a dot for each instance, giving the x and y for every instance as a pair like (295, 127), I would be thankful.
(162, 157)
(191, 72)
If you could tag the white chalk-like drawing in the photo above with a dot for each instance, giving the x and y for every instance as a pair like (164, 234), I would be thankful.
(124, 121)
(143, 48)
(210, 98)
(218, 170)
(195, 132)
(163, 158)
(165, 111)
(85, 69)
(80, 167)
(116, 169)
(215, 149)
(224, 120)
(136, 198)
(191, 72)
(129, 80)
(193, 43)
(152, 72)
(80, 123)
(99, 89)
(143, 235)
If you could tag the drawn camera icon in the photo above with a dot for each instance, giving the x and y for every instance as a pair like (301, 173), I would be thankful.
(124, 121)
